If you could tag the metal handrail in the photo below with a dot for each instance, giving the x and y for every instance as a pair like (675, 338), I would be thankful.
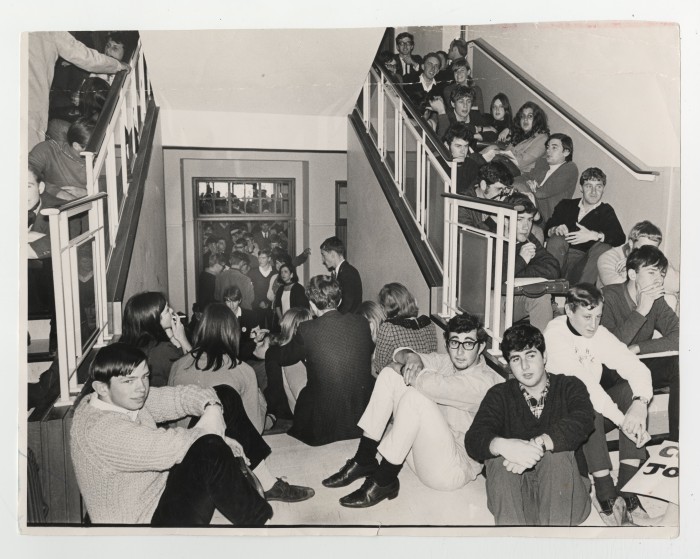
(410, 108)
(119, 127)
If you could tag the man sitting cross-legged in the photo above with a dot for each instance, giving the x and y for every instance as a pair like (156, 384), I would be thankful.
(635, 309)
(432, 398)
(131, 472)
(579, 346)
(526, 432)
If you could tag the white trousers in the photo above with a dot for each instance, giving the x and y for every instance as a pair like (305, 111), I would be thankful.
(420, 434)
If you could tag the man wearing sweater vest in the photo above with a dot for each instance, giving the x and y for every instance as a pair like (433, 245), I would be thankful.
(582, 229)
(579, 346)
(526, 432)
(635, 309)
(131, 472)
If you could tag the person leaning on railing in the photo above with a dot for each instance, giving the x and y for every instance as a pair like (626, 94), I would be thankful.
(61, 164)
(44, 50)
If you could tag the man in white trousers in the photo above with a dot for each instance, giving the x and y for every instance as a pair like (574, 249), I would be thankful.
(433, 399)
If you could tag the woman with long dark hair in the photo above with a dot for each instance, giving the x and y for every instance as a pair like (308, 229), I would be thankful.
(152, 326)
(499, 121)
(214, 361)
(402, 327)
(528, 140)
(290, 293)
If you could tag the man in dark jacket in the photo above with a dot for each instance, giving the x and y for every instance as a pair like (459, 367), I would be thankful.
(531, 261)
(337, 349)
(582, 229)
(333, 255)
(526, 432)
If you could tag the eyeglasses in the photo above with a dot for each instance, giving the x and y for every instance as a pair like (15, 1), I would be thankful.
(468, 345)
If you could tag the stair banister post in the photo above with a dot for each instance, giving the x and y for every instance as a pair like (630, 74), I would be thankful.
(62, 342)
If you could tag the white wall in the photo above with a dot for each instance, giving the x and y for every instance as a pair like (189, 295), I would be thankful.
(623, 77)
(376, 244)
(227, 130)
(148, 269)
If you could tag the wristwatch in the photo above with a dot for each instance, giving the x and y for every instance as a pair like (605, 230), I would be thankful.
(213, 403)
(540, 441)
(642, 399)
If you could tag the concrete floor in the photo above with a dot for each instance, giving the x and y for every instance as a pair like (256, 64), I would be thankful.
(416, 505)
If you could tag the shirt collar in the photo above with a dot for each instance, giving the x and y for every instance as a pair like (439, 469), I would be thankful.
(590, 208)
(544, 391)
(426, 84)
(106, 406)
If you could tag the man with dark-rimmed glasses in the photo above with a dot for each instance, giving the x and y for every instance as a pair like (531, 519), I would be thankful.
(433, 399)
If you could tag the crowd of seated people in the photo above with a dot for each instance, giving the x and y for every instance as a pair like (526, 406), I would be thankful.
(451, 415)
(373, 369)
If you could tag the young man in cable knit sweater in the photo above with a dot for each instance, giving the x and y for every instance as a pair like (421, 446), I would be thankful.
(131, 472)
(579, 346)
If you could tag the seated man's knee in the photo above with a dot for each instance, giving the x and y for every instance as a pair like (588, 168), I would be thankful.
(598, 249)
(388, 376)
(416, 401)
(210, 447)
(557, 245)
(228, 395)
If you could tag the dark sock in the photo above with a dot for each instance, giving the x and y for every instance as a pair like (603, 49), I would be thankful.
(626, 473)
(604, 488)
(386, 473)
(366, 451)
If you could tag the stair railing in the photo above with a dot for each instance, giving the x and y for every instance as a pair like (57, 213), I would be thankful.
(425, 176)
(84, 231)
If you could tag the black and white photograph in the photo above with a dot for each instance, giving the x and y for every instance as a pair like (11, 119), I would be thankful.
(393, 278)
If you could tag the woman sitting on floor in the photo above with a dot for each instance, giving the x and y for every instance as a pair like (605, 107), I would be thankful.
(152, 326)
(402, 327)
(281, 347)
(214, 361)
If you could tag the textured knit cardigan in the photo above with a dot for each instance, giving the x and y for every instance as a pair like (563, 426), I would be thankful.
(122, 465)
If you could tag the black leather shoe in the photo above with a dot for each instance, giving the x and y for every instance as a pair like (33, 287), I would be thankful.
(283, 491)
(370, 494)
(349, 473)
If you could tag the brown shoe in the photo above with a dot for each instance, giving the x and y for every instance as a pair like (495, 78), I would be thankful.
(283, 491)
